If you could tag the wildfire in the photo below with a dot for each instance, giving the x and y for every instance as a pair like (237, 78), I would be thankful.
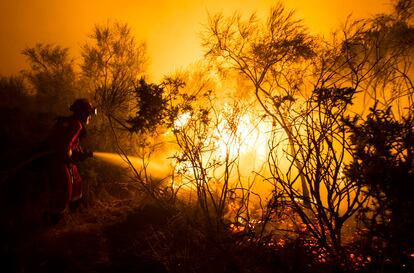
(182, 120)
(234, 134)
(241, 136)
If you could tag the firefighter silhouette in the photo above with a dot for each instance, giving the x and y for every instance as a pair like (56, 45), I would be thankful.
(65, 183)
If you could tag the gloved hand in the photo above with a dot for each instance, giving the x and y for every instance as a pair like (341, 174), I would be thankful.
(81, 155)
(88, 153)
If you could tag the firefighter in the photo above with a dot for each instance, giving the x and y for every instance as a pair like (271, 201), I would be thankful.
(65, 183)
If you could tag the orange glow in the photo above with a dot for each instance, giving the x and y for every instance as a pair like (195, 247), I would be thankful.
(171, 28)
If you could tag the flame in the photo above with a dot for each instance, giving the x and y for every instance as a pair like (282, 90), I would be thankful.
(241, 137)
(234, 135)
(182, 121)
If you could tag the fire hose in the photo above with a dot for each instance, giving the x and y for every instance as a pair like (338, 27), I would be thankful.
(23, 164)
(37, 156)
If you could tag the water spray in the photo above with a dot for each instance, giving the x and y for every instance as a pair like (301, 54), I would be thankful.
(157, 168)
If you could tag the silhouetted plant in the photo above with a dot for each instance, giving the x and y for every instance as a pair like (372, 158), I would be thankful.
(13, 92)
(155, 105)
(112, 62)
(383, 163)
(52, 77)
(271, 55)
(371, 55)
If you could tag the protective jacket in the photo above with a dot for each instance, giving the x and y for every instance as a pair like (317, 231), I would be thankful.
(65, 184)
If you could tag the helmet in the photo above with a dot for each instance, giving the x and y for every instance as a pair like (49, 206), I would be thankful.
(82, 106)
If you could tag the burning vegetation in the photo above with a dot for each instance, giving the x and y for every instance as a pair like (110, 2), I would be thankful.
(280, 152)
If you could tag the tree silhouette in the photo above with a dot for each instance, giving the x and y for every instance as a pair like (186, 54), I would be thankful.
(151, 107)
(113, 62)
(13, 91)
(383, 163)
(373, 56)
(269, 55)
(308, 87)
(52, 76)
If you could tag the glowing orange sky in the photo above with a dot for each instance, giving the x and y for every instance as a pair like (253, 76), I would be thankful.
(170, 27)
